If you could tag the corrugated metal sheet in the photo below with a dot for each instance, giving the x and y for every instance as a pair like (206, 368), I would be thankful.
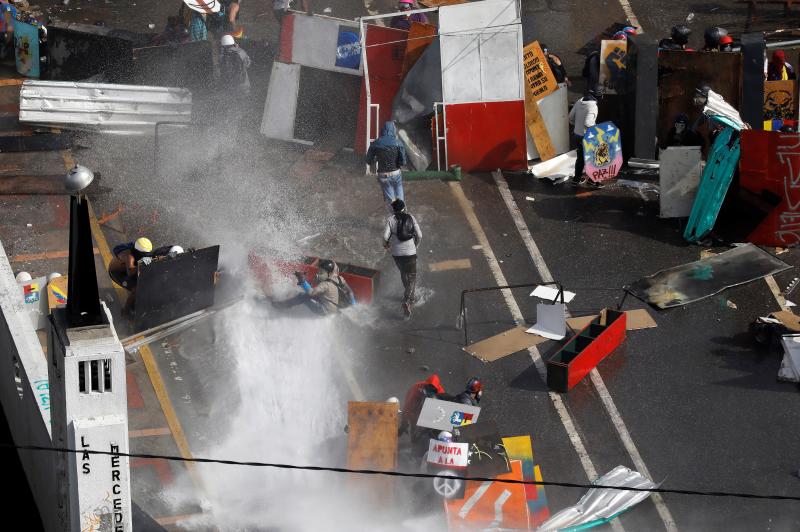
(601, 505)
(118, 109)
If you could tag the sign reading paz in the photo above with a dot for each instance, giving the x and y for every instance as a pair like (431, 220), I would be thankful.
(539, 82)
(451, 455)
(602, 152)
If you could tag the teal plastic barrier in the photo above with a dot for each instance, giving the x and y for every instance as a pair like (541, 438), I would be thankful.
(716, 179)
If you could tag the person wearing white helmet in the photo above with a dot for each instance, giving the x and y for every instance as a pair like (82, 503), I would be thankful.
(124, 267)
(233, 65)
(167, 251)
(23, 277)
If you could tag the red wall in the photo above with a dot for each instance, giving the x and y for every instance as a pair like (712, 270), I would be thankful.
(485, 136)
(385, 74)
(770, 162)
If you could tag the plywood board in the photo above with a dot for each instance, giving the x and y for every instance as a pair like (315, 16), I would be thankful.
(419, 37)
(372, 438)
(680, 73)
(679, 176)
(537, 129)
(504, 344)
(539, 78)
(780, 100)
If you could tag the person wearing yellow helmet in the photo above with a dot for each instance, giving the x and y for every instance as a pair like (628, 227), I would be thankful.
(124, 267)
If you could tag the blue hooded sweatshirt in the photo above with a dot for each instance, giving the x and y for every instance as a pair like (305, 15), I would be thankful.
(388, 150)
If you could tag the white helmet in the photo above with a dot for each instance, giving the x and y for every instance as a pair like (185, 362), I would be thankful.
(445, 436)
(175, 250)
(227, 40)
(393, 400)
(53, 276)
(203, 6)
(23, 277)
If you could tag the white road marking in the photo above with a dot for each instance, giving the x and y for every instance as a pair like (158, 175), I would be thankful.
(626, 7)
(516, 313)
(597, 380)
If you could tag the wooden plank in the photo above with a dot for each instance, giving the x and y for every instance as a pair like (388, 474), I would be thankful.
(780, 100)
(538, 129)
(419, 37)
(372, 439)
(504, 344)
(539, 82)
(372, 444)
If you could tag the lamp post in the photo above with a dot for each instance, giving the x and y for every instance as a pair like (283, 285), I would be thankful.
(83, 298)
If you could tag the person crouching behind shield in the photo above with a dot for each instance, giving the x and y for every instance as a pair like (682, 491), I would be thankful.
(124, 267)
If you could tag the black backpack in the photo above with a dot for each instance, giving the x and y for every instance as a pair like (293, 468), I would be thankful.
(405, 226)
(346, 295)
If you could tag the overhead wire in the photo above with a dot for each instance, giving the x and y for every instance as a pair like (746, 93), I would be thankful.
(401, 474)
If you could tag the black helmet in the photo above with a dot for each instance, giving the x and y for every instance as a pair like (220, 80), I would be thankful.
(327, 265)
(713, 35)
(597, 91)
(702, 89)
(398, 205)
(680, 34)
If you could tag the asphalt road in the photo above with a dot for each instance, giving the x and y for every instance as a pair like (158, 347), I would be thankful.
(701, 404)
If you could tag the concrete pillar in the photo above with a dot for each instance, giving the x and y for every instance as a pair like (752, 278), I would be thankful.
(753, 48)
(90, 412)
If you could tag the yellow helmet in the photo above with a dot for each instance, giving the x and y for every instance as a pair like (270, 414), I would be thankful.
(143, 245)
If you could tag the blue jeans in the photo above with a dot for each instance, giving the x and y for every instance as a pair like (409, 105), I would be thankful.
(392, 186)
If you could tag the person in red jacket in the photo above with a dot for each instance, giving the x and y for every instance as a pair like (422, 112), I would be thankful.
(415, 397)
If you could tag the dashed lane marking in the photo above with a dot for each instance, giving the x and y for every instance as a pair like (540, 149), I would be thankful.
(516, 313)
(597, 380)
(457, 264)
(146, 433)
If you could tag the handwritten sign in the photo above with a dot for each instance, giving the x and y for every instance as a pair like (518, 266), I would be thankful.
(448, 454)
(539, 79)
(602, 152)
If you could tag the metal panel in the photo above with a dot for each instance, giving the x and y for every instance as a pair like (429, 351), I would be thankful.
(554, 110)
(119, 109)
(315, 39)
(281, 106)
(486, 136)
(481, 45)
(679, 177)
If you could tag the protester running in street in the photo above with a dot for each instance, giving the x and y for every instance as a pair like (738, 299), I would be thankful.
(390, 152)
(583, 116)
(402, 235)
(403, 22)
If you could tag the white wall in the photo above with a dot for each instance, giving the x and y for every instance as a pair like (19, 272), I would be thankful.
(28, 416)
(481, 51)
(314, 41)
(280, 108)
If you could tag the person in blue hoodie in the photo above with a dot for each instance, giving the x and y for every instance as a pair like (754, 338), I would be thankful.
(390, 153)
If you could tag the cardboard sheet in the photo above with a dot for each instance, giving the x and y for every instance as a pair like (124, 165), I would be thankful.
(635, 320)
(504, 344)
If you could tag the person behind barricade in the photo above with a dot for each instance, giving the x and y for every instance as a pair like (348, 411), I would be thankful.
(472, 393)
(583, 115)
(712, 38)
(403, 22)
(726, 44)
(124, 267)
(678, 39)
(233, 64)
(402, 235)
(778, 69)
(680, 134)
(331, 293)
(415, 397)
(556, 65)
(390, 153)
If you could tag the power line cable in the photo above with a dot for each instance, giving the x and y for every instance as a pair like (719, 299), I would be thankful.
(403, 474)
(470, 31)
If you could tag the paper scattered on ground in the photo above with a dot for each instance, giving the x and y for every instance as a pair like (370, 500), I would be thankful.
(790, 304)
(529, 198)
(557, 168)
(550, 293)
(731, 304)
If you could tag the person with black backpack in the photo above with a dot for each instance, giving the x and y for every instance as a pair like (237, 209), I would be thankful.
(402, 235)
(331, 293)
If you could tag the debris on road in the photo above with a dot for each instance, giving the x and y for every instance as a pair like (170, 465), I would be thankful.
(557, 169)
(550, 321)
(601, 505)
(585, 350)
(698, 280)
(790, 365)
